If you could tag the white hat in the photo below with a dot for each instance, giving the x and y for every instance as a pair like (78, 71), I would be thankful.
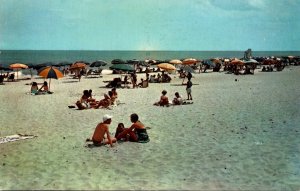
(106, 117)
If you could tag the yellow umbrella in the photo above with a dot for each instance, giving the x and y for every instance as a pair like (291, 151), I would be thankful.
(175, 61)
(18, 66)
(166, 66)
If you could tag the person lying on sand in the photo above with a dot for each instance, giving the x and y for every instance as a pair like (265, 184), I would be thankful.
(164, 100)
(104, 103)
(101, 130)
(135, 133)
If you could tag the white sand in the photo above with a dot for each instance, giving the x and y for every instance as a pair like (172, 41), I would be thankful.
(241, 134)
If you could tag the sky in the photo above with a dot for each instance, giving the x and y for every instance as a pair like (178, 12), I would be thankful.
(200, 25)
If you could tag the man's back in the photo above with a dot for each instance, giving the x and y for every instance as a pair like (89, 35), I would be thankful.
(99, 132)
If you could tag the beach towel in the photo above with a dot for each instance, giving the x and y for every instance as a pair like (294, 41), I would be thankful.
(16, 137)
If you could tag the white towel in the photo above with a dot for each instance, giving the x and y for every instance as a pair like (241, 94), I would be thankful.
(15, 137)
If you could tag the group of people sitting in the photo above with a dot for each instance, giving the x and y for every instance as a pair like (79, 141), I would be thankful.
(35, 90)
(135, 133)
(163, 78)
(164, 100)
(9, 77)
(87, 101)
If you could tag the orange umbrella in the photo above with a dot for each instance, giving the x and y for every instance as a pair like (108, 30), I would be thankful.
(18, 66)
(166, 66)
(237, 62)
(189, 61)
(78, 65)
(51, 72)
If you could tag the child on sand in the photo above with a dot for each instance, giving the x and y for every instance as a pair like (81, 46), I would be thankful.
(177, 100)
(135, 133)
(164, 100)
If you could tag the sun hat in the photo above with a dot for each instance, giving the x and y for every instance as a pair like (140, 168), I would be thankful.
(106, 117)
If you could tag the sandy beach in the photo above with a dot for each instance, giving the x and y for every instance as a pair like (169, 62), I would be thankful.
(241, 133)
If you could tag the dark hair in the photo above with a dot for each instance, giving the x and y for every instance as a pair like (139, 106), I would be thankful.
(45, 83)
(114, 89)
(90, 91)
(176, 93)
(164, 92)
(34, 83)
(85, 92)
(110, 93)
(134, 117)
(121, 124)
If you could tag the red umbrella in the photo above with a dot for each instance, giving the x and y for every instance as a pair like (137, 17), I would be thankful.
(189, 61)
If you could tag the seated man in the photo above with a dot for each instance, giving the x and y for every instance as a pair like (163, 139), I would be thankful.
(101, 130)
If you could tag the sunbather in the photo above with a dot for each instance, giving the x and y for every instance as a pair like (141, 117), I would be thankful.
(44, 88)
(34, 88)
(164, 100)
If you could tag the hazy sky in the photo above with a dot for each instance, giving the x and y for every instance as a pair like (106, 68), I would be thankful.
(150, 24)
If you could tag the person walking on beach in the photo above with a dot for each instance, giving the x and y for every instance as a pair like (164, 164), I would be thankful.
(100, 131)
(189, 89)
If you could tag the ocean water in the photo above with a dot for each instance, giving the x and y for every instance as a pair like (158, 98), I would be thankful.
(41, 56)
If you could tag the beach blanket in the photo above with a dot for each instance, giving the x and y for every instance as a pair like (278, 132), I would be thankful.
(16, 137)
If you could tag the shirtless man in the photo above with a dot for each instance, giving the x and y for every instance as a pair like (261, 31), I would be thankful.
(100, 131)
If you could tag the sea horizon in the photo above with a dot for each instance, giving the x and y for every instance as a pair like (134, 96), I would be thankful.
(41, 56)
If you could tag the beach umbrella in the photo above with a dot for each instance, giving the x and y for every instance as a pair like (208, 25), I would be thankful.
(18, 66)
(189, 61)
(250, 61)
(123, 67)
(51, 72)
(187, 68)
(77, 65)
(175, 61)
(166, 66)
(98, 63)
(237, 62)
(133, 61)
(118, 61)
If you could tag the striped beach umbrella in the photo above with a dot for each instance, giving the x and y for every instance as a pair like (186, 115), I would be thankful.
(51, 72)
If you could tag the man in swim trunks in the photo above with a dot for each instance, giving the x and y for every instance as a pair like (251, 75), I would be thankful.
(100, 131)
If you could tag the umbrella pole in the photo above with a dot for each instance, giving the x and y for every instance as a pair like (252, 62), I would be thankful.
(49, 83)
